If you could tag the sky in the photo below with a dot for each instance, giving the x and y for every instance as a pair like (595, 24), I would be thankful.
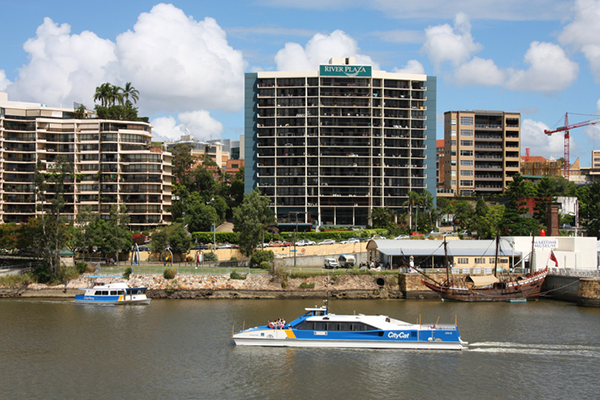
(188, 58)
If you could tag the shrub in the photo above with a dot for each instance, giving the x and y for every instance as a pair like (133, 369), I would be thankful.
(305, 285)
(170, 273)
(235, 275)
(261, 256)
(233, 259)
(265, 265)
(210, 256)
(127, 272)
(81, 267)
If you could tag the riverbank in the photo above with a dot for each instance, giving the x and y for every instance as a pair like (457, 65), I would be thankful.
(223, 287)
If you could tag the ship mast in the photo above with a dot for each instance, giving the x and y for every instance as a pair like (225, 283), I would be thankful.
(496, 259)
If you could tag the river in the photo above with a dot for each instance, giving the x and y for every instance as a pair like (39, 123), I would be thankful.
(182, 349)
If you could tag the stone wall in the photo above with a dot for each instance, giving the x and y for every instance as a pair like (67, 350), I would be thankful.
(589, 292)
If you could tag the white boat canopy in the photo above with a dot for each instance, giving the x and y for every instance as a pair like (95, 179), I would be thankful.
(480, 281)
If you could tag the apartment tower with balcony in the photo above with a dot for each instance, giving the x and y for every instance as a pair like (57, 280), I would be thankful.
(329, 146)
(113, 163)
(482, 151)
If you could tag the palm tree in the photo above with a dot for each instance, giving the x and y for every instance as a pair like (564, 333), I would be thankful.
(103, 93)
(414, 199)
(115, 96)
(129, 91)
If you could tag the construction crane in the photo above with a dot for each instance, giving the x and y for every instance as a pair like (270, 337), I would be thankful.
(566, 128)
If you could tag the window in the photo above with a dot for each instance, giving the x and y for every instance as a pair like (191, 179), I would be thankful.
(466, 143)
(453, 182)
(453, 132)
(480, 260)
(466, 153)
(466, 132)
(466, 172)
(466, 121)
(453, 122)
(466, 182)
(452, 153)
(453, 142)
(453, 173)
(453, 162)
(466, 163)
(462, 260)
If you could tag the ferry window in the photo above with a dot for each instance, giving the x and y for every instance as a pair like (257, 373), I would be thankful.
(306, 326)
(113, 292)
(320, 326)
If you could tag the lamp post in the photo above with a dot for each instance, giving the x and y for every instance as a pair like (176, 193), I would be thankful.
(295, 236)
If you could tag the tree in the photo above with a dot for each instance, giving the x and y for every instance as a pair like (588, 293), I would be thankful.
(119, 236)
(251, 220)
(545, 192)
(51, 178)
(414, 199)
(463, 212)
(129, 91)
(382, 218)
(200, 216)
(590, 208)
(182, 164)
(178, 240)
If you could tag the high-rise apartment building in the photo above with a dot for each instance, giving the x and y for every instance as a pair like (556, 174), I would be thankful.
(329, 146)
(482, 151)
(113, 163)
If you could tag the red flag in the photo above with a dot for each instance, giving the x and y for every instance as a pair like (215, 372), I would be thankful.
(553, 258)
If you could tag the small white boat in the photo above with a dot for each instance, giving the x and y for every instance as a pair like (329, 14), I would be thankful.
(112, 293)
(318, 328)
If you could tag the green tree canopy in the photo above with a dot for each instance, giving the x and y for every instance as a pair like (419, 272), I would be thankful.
(251, 220)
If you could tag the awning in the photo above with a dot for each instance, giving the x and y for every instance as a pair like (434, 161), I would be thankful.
(485, 280)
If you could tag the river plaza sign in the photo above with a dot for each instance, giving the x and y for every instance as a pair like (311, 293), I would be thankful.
(349, 71)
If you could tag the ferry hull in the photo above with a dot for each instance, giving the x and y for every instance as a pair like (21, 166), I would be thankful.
(81, 299)
(356, 344)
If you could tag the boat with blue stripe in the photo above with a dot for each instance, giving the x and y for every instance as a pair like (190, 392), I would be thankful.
(319, 328)
(118, 293)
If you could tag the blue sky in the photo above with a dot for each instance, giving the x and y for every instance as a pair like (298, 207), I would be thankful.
(187, 58)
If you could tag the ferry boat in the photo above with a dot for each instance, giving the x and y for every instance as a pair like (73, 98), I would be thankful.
(112, 294)
(318, 328)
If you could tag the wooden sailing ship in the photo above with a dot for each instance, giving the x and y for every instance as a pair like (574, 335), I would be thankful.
(488, 287)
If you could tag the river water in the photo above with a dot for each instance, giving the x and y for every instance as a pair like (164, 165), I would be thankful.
(182, 349)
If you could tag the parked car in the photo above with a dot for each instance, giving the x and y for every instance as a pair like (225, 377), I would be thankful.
(143, 248)
(200, 247)
(465, 233)
(331, 263)
(287, 244)
(305, 242)
(347, 261)
(376, 237)
(348, 241)
(401, 237)
(225, 246)
(326, 241)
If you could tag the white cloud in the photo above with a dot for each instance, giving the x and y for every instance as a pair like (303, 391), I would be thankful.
(63, 68)
(479, 72)
(583, 33)
(178, 63)
(411, 67)
(450, 44)
(166, 128)
(549, 70)
(197, 123)
(201, 124)
(3, 81)
(318, 51)
(534, 138)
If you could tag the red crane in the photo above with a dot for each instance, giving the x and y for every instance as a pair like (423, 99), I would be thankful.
(566, 129)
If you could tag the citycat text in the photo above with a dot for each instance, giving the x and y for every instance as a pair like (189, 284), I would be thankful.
(398, 335)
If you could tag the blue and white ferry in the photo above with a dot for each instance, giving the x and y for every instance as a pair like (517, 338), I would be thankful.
(318, 328)
(112, 294)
